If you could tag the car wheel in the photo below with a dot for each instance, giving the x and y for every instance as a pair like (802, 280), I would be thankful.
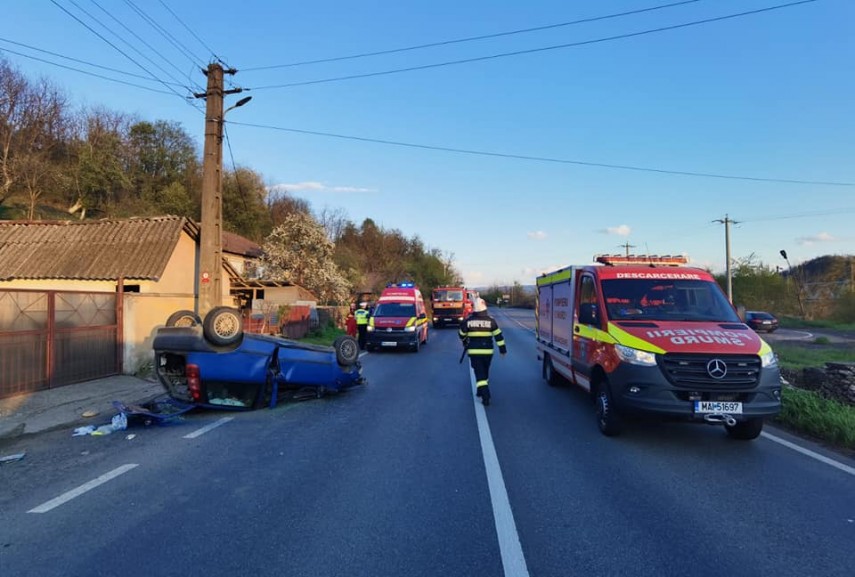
(346, 350)
(552, 378)
(417, 345)
(608, 419)
(223, 326)
(183, 318)
(745, 430)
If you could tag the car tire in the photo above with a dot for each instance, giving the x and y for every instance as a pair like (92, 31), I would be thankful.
(223, 326)
(608, 419)
(745, 430)
(417, 346)
(346, 350)
(183, 318)
(552, 378)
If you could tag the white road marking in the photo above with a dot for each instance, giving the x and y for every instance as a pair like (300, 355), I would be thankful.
(809, 453)
(510, 548)
(66, 497)
(207, 428)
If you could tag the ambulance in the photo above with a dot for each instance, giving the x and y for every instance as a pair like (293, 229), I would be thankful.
(647, 335)
(399, 319)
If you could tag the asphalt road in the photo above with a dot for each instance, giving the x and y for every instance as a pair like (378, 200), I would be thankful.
(410, 476)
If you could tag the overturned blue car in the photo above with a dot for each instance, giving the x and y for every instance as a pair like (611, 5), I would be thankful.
(215, 364)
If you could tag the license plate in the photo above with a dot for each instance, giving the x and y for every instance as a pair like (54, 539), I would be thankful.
(767, 322)
(727, 407)
(388, 343)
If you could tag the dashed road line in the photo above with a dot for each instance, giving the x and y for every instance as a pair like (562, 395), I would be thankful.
(207, 428)
(66, 497)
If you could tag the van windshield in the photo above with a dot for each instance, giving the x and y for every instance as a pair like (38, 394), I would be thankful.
(450, 296)
(395, 310)
(666, 300)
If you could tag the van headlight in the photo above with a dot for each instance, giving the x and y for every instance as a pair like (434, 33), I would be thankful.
(770, 359)
(410, 329)
(635, 356)
(369, 328)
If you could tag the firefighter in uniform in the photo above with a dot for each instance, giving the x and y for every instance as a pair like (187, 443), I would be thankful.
(362, 314)
(478, 332)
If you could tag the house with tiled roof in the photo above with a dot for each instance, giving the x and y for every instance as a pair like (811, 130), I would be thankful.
(82, 299)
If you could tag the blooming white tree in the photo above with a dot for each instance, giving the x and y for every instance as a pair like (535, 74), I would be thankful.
(299, 251)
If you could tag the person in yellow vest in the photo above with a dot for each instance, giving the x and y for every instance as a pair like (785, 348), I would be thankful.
(362, 314)
(478, 332)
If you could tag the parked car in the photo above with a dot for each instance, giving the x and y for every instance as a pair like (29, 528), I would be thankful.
(218, 365)
(761, 321)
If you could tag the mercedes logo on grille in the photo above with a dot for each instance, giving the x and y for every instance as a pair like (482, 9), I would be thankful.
(716, 368)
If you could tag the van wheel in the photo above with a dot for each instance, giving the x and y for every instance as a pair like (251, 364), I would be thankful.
(552, 378)
(608, 419)
(745, 430)
(417, 346)
(223, 326)
(183, 318)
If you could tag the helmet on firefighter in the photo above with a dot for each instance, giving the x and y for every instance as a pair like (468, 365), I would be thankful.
(363, 305)
(479, 306)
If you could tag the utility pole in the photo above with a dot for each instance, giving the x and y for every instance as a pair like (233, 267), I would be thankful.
(210, 281)
(627, 246)
(726, 221)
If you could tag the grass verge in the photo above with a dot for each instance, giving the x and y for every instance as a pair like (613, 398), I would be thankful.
(827, 420)
(801, 356)
(323, 336)
(794, 323)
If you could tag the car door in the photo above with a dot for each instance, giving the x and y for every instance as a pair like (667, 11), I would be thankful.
(585, 327)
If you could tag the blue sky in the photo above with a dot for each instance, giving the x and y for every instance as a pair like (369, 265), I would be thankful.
(765, 96)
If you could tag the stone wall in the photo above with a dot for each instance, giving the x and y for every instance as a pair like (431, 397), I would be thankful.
(836, 381)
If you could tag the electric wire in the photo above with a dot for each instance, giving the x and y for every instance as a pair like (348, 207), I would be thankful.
(809, 214)
(472, 38)
(122, 52)
(111, 31)
(147, 45)
(234, 168)
(536, 50)
(79, 61)
(169, 37)
(140, 86)
(180, 21)
(548, 159)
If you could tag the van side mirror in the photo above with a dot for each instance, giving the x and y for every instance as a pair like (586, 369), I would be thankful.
(588, 314)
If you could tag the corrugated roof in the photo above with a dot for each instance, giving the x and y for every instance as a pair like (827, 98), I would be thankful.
(136, 248)
(237, 244)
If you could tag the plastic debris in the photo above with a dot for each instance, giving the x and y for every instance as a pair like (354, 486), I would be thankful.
(11, 458)
(89, 413)
(120, 422)
(80, 431)
(130, 437)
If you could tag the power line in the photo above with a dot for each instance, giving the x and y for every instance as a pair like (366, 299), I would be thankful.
(535, 50)
(146, 44)
(169, 37)
(120, 51)
(87, 63)
(87, 72)
(547, 159)
(234, 169)
(828, 212)
(180, 21)
(111, 31)
(472, 38)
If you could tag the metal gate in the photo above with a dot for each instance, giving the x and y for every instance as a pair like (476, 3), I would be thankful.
(53, 338)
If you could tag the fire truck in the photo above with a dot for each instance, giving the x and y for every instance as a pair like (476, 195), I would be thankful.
(648, 335)
(450, 305)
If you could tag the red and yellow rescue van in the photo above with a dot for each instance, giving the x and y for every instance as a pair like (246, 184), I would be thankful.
(648, 335)
(399, 319)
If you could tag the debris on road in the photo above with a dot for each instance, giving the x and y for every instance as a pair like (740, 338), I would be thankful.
(11, 458)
